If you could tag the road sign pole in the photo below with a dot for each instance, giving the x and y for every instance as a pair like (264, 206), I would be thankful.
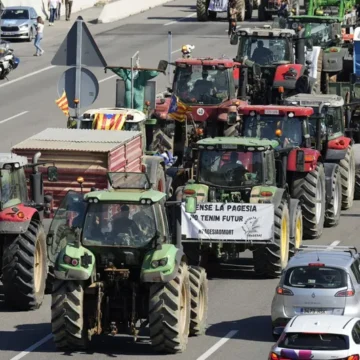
(78, 70)
(169, 55)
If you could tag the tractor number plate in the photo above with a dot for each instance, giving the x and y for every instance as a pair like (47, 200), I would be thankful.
(271, 112)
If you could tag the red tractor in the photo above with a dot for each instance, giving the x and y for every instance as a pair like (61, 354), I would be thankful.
(209, 86)
(23, 242)
(310, 176)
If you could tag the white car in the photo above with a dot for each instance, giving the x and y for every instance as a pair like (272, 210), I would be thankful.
(319, 337)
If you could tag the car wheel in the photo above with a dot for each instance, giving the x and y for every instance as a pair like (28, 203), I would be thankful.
(31, 35)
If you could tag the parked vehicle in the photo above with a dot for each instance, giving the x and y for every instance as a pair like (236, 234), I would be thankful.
(8, 61)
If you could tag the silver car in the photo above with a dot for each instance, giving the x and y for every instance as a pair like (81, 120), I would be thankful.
(18, 22)
(318, 280)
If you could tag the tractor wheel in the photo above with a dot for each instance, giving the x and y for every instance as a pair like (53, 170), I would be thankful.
(24, 268)
(357, 186)
(249, 9)
(270, 260)
(333, 206)
(297, 230)
(202, 10)
(325, 79)
(347, 171)
(67, 315)
(169, 313)
(240, 7)
(261, 12)
(199, 300)
(310, 190)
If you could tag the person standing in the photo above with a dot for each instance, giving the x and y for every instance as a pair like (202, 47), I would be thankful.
(68, 4)
(52, 8)
(39, 36)
(58, 12)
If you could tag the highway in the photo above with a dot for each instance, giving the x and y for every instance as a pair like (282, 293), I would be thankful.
(239, 304)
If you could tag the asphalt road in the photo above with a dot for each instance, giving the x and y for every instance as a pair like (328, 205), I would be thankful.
(239, 304)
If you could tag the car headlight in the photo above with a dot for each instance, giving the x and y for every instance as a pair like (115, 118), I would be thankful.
(25, 26)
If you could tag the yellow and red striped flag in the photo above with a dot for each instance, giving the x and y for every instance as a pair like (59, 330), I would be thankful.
(108, 121)
(177, 109)
(63, 104)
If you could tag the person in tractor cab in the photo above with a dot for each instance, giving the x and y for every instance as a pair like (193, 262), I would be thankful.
(168, 157)
(234, 169)
(204, 86)
(221, 86)
(122, 224)
(262, 55)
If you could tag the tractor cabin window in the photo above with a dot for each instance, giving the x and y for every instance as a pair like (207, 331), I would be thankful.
(10, 191)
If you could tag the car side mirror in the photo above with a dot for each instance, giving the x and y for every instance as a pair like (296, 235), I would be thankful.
(234, 39)
(52, 173)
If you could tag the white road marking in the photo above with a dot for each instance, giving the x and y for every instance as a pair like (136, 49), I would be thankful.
(215, 347)
(112, 76)
(26, 76)
(14, 117)
(176, 21)
(32, 347)
(333, 244)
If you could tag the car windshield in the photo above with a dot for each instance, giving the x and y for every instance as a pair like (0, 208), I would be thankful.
(321, 277)
(265, 127)
(231, 168)
(313, 341)
(265, 51)
(14, 14)
(199, 84)
(120, 224)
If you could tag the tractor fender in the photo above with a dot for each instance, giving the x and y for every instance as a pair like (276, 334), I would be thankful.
(332, 61)
(287, 75)
(330, 169)
(278, 196)
(152, 164)
(11, 223)
(337, 148)
(312, 158)
(165, 273)
(293, 204)
(82, 271)
(335, 155)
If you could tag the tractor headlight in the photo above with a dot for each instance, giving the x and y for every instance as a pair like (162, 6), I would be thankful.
(157, 263)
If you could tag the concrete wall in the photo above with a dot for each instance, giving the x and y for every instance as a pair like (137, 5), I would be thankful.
(121, 9)
(41, 6)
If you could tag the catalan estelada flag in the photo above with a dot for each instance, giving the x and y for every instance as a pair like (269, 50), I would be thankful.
(63, 104)
(177, 110)
(108, 121)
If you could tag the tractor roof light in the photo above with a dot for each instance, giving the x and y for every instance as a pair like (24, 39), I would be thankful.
(80, 180)
(278, 132)
(294, 103)
(146, 201)
(252, 113)
(243, 33)
(281, 89)
(291, 114)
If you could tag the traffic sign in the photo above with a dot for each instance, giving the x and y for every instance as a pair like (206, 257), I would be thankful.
(89, 87)
(79, 43)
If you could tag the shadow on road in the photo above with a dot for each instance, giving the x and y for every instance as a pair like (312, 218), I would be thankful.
(180, 6)
(174, 18)
(350, 215)
(256, 328)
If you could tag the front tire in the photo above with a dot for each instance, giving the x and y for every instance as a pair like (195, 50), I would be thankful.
(347, 171)
(67, 315)
(297, 230)
(202, 10)
(333, 205)
(25, 268)
(240, 7)
(270, 260)
(169, 313)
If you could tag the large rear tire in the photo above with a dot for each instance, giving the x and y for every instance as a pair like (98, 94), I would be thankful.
(202, 10)
(249, 9)
(199, 300)
(333, 203)
(24, 268)
(270, 260)
(310, 190)
(347, 171)
(297, 230)
(240, 7)
(169, 313)
(357, 186)
(67, 315)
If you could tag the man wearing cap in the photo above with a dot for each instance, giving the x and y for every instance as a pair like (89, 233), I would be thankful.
(204, 86)
(124, 225)
(262, 55)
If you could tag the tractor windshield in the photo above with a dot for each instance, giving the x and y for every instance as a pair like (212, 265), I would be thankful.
(205, 85)
(332, 122)
(225, 168)
(120, 224)
(289, 131)
(265, 51)
(13, 190)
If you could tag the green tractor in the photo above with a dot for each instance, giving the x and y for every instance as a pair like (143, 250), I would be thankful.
(118, 269)
(235, 204)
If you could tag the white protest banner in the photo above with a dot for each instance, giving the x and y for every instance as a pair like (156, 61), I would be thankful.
(234, 222)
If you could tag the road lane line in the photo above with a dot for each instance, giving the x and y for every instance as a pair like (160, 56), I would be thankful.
(176, 21)
(215, 347)
(28, 75)
(112, 76)
(333, 244)
(14, 117)
(32, 347)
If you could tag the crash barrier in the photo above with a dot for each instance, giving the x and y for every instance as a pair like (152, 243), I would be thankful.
(123, 8)
(41, 6)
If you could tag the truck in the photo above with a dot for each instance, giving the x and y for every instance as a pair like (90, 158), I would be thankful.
(310, 175)
(23, 266)
(238, 201)
(87, 155)
(116, 264)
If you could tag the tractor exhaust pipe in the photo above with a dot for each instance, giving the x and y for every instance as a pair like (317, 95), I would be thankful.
(36, 185)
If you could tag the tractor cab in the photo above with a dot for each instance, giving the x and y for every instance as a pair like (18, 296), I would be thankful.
(327, 120)
(231, 166)
(286, 124)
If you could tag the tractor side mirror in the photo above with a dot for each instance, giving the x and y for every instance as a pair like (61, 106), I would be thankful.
(309, 44)
(234, 39)
(48, 199)
(163, 64)
(190, 204)
(52, 173)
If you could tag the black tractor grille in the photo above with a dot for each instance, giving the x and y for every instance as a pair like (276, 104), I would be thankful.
(9, 28)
